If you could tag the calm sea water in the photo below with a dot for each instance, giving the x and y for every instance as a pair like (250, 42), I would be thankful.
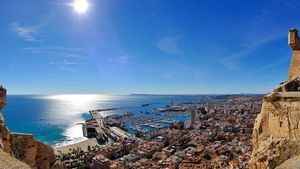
(54, 119)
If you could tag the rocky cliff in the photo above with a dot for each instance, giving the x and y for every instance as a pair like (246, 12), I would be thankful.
(276, 132)
(9, 162)
(17, 149)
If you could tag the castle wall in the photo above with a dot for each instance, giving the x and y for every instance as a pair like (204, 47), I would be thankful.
(295, 65)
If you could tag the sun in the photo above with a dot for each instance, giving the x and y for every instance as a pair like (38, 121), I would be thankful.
(81, 6)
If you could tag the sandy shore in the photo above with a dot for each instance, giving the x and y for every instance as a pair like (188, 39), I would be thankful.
(83, 145)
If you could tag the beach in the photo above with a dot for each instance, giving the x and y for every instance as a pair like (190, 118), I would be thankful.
(82, 145)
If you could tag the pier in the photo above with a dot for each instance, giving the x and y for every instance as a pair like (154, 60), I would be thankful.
(97, 128)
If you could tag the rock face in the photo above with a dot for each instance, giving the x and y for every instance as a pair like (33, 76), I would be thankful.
(291, 163)
(7, 161)
(19, 149)
(34, 153)
(276, 132)
(4, 133)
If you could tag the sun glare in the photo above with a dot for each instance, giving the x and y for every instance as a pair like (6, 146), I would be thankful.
(81, 6)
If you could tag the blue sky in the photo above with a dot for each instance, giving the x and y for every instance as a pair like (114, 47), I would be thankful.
(145, 46)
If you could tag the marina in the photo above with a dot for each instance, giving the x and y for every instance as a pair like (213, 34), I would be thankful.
(96, 127)
(125, 126)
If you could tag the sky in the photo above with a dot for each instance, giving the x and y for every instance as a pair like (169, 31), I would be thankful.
(145, 46)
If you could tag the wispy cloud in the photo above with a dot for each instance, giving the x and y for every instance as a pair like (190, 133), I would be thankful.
(232, 61)
(169, 44)
(268, 67)
(123, 59)
(68, 69)
(178, 69)
(261, 29)
(27, 33)
(66, 65)
(246, 49)
(66, 52)
(65, 62)
(54, 48)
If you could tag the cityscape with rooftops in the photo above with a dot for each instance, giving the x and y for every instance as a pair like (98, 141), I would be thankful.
(160, 84)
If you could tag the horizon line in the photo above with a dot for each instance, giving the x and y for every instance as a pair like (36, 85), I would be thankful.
(161, 94)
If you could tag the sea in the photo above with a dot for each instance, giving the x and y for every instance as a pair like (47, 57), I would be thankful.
(57, 119)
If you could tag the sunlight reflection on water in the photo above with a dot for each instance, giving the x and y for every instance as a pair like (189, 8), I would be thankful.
(67, 110)
(54, 119)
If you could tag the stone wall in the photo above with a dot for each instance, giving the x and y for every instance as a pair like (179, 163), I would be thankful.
(295, 65)
(294, 43)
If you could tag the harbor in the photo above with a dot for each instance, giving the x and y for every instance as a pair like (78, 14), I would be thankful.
(126, 126)
(96, 127)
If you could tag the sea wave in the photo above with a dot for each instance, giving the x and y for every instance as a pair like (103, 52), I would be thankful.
(73, 135)
(69, 142)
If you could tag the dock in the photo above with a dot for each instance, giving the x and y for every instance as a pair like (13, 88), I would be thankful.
(97, 128)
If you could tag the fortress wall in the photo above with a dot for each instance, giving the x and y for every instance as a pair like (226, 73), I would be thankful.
(295, 65)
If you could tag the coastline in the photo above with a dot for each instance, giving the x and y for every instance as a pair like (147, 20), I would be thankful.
(82, 145)
(70, 113)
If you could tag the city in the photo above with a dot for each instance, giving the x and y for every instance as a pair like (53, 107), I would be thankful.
(149, 84)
